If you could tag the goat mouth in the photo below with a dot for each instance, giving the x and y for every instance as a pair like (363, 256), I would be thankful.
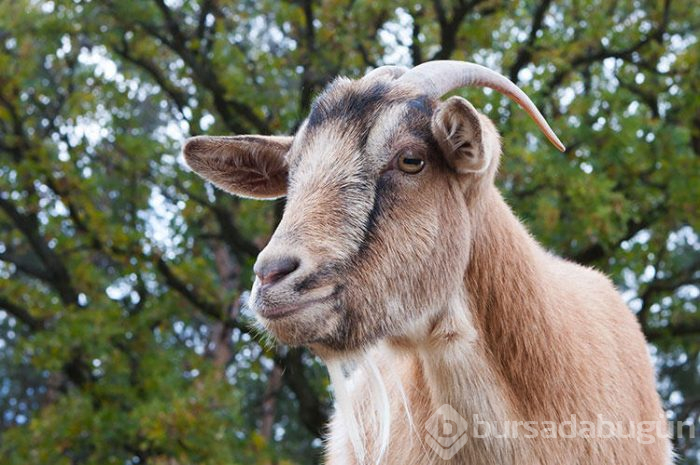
(277, 312)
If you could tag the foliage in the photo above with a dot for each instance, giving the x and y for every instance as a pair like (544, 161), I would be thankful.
(122, 332)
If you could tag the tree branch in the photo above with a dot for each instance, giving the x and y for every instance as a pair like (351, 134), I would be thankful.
(178, 97)
(233, 112)
(188, 291)
(449, 27)
(21, 314)
(593, 55)
(25, 265)
(170, 22)
(312, 412)
(415, 48)
(597, 251)
(230, 232)
(308, 82)
(269, 401)
(28, 225)
(524, 54)
(685, 329)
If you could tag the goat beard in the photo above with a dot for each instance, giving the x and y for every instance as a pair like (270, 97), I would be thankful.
(367, 419)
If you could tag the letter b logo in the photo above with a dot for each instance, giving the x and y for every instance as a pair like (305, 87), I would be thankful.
(446, 432)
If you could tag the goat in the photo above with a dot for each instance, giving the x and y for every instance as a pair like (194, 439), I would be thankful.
(399, 264)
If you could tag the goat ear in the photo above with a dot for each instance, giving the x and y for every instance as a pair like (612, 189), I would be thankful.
(457, 127)
(248, 166)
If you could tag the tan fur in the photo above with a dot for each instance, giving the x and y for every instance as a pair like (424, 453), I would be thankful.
(432, 277)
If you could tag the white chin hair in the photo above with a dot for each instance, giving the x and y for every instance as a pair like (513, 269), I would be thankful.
(364, 415)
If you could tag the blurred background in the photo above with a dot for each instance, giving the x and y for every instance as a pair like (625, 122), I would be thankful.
(123, 338)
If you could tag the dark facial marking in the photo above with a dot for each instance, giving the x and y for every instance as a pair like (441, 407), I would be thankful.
(318, 278)
(354, 109)
(417, 124)
(382, 198)
(422, 104)
(352, 105)
(346, 335)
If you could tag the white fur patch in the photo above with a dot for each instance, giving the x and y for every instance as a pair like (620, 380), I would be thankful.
(367, 415)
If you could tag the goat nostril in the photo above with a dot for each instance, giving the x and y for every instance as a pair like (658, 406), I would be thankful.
(273, 271)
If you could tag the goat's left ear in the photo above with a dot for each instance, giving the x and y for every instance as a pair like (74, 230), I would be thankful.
(247, 166)
(457, 127)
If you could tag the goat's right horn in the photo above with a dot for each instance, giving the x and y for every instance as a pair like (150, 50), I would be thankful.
(440, 77)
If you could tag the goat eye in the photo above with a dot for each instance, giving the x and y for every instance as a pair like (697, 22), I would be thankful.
(410, 163)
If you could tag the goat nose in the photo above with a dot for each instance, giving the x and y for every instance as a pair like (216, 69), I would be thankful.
(272, 271)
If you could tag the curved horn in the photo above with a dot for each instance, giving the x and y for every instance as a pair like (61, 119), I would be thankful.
(440, 77)
(394, 72)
